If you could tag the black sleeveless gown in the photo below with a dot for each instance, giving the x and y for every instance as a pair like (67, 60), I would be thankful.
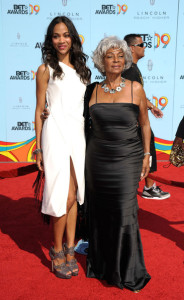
(113, 167)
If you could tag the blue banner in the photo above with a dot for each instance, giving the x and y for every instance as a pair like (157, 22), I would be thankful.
(22, 31)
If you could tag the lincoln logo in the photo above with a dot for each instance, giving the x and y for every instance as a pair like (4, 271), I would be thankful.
(150, 64)
(64, 2)
(152, 2)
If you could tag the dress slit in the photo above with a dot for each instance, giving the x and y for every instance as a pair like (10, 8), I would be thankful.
(71, 164)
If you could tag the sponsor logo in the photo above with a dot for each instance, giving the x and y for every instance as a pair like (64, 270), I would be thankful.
(150, 65)
(160, 102)
(99, 77)
(122, 9)
(161, 40)
(81, 38)
(17, 42)
(147, 39)
(109, 9)
(22, 126)
(34, 9)
(33, 125)
(156, 41)
(23, 75)
(154, 79)
(33, 75)
(151, 14)
(182, 77)
(64, 2)
(38, 45)
(69, 14)
(20, 105)
(21, 9)
(152, 2)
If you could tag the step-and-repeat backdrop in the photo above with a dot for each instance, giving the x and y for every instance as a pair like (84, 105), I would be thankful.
(22, 30)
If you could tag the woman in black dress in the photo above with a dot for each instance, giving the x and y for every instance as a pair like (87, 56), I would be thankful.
(115, 162)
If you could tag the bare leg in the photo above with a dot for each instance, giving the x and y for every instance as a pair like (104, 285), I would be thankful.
(71, 225)
(67, 221)
(59, 225)
(58, 231)
(149, 182)
(72, 210)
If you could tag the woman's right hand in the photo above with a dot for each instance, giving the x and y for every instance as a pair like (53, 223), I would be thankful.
(45, 114)
(145, 167)
(39, 161)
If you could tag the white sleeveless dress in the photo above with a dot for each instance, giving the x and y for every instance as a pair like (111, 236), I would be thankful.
(62, 138)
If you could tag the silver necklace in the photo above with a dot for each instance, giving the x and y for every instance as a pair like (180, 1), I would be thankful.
(117, 89)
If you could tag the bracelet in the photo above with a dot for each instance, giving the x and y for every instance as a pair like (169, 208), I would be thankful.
(37, 151)
(151, 107)
(147, 153)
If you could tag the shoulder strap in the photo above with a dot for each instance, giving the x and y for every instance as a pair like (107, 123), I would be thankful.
(96, 91)
(132, 91)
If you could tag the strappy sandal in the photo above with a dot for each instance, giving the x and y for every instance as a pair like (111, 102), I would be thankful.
(72, 264)
(62, 269)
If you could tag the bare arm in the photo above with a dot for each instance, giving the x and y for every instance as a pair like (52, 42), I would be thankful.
(145, 130)
(42, 79)
(155, 110)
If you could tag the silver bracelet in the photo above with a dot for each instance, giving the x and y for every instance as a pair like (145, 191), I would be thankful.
(147, 153)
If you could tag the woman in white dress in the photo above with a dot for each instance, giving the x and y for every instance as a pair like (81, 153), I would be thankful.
(61, 84)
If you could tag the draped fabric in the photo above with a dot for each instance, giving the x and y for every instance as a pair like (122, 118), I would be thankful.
(113, 166)
(63, 139)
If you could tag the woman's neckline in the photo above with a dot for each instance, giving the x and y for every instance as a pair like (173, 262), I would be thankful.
(66, 65)
(98, 103)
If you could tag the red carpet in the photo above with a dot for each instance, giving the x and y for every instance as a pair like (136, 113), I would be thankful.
(25, 241)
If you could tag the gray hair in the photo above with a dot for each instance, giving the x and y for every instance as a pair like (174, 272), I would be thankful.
(102, 48)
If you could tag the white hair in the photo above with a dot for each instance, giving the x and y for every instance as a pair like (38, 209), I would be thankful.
(104, 45)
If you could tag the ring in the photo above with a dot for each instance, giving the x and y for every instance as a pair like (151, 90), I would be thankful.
(42, 113)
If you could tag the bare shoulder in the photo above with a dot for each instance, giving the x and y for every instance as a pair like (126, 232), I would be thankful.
(138, 89)
(43, 71)
(137, 86)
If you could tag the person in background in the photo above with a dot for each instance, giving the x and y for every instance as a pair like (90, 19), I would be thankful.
(180, 134)
(60, 141)
(135, 42)
(116, 159)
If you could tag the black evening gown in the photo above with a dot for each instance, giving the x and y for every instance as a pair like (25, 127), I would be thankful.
(113, 167)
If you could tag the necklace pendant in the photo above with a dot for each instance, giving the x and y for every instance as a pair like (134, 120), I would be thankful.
(122, 84)
(106, 89)
(119, 88)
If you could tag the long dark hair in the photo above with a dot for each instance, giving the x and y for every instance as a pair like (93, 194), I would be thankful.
(77, 57)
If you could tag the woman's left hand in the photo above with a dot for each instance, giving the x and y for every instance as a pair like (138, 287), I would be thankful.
(145, 167)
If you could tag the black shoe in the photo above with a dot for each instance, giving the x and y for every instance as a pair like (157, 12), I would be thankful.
(155, 193)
